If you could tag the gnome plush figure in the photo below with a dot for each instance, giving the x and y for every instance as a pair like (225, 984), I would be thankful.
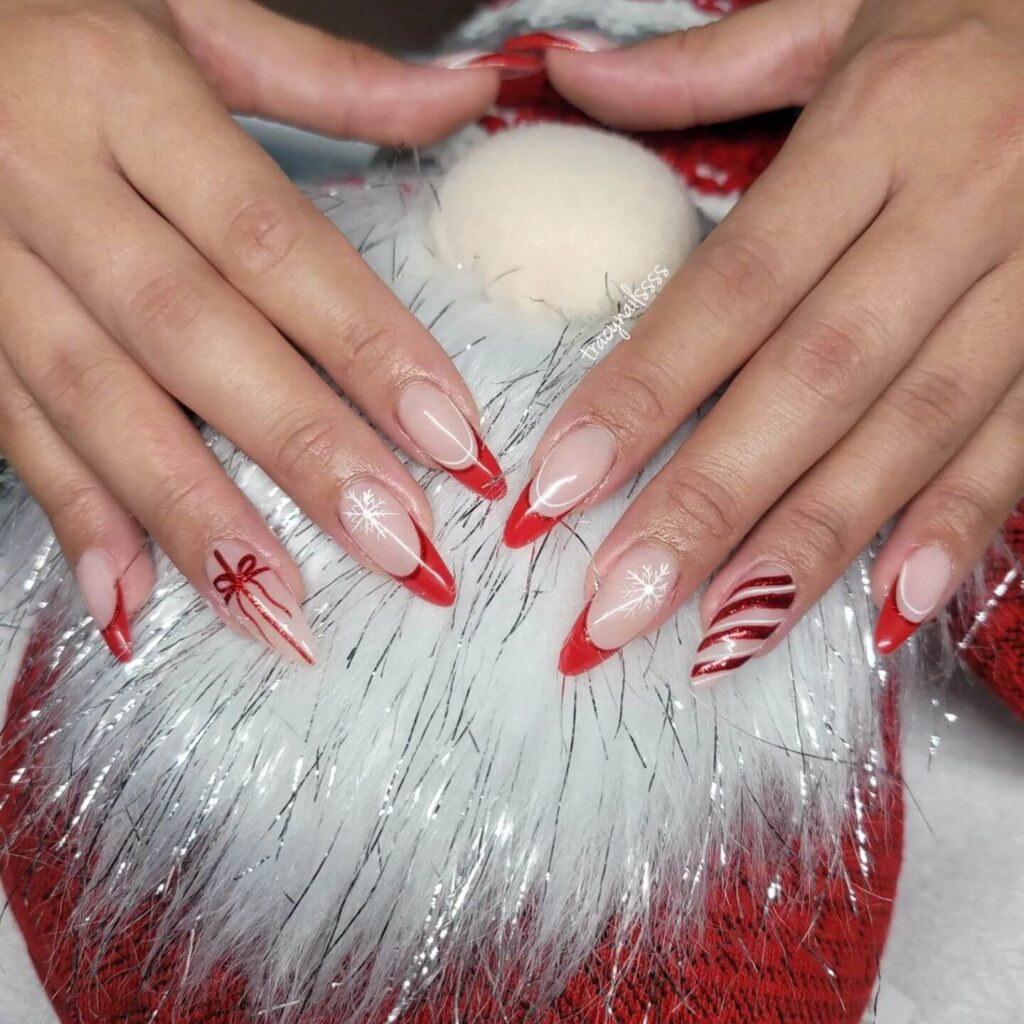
(433, 823)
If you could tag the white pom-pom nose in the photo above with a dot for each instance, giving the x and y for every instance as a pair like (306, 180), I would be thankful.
(564, 217)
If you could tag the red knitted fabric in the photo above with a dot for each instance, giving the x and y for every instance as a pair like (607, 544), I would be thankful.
(996, 651)
(802, 958)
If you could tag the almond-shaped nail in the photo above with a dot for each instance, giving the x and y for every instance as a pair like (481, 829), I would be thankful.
(434, 422)
(385, 532)
(576, 465)
(749, 617)
(915, 596)
(511, 65)
(630, 597)
(255, 598)
(537, 42)
(104, 599)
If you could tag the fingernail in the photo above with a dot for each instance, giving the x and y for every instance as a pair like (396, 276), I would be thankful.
(747, 620)
(628, 600)
(583, 42)
(104, 599)
(573, 468)
(511, 65)
(258, 600)
(915, 596)
(434, 422)
(378, 523)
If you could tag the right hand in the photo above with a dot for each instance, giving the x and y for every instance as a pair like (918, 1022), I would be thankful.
(151, 253)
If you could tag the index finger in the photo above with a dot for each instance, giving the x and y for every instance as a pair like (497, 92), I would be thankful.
(275, 248)
(738, 288)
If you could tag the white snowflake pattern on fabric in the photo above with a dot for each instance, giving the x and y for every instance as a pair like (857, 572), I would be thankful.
(646, 589)
(365, 512)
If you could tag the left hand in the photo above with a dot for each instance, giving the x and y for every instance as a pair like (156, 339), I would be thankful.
(870, 290)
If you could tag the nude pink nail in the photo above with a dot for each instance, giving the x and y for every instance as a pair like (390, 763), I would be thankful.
(255, 598)
(746, 622)
(385, 532)
(576, 465)
(104, 599)
(630, 597)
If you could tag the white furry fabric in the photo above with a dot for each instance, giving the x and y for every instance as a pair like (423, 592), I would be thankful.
(433, 790)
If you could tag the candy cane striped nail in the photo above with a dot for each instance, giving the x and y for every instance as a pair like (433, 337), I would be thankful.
(745, 623)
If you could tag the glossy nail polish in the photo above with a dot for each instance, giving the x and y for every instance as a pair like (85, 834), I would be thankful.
(434, 422)
(746, 622)
(511, 65)
(576, 465)
(104, 598)
(630, 597)
(385, 532)
(255, 598)
(537, 42)
(915, 596)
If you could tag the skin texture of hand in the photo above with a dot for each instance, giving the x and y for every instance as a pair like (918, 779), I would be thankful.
(151, 254)
(868, 295)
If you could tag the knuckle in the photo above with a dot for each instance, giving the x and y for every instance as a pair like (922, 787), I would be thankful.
(74, 503)
(261, 235)
(931, 401)
(822, 530)
(828, 359)
(178, 501)
(740, 274)
(168, 303)
(963, 505)
(366, 351)
(76, 383)
(305, 445)
(701, 504)
(640, 388)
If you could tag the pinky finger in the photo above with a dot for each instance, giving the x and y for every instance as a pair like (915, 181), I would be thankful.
(103, 543)
(946, 529)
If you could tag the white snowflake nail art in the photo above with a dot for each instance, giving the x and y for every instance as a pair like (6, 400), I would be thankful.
(646, 588)
(365, 511)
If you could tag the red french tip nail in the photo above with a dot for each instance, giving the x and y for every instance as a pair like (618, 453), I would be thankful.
(484, 476)
(432, 580)
(538, 42)
(511, 65)
(893, 628)
(579, 652)
(524, 525)
(118, 633)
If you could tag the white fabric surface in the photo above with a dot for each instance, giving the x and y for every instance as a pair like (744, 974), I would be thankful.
(955, 953)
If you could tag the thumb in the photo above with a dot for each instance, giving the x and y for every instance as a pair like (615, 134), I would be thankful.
(262, 63)
(769, 56)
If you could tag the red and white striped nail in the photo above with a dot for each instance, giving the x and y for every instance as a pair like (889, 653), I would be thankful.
(434, 422)
(255, 598)
(630, 597)
(746, 622)
(511, 65)
(104, 599)
(559, 39)
(915, 596)
(576, 465)
(385, 532)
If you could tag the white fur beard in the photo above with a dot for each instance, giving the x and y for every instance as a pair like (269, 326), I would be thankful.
(433, 796)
